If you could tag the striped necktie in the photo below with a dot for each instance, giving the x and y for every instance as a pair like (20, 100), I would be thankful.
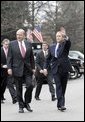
(22, 50)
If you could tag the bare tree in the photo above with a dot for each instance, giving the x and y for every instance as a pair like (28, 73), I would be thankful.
(69, 14)
(26, 14)
(13, 14)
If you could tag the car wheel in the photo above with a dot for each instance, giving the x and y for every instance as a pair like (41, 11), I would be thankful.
(79, 75)
(75, 74)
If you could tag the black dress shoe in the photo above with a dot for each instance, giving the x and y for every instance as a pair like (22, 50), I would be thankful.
(14, 101)
(27, 106)
(2, 101)
(21, 110)
(53, 98)
(37, 98)
(62, 108)
(4, 98)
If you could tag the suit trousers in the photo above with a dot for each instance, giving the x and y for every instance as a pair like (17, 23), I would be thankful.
(19, 88)
(3, 85)
(12, 90)
(40, 81)
(61, 83)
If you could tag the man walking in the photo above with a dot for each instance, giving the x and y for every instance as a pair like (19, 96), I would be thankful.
(6, 79)
(40, 60)
(4, 51)
(58, 54)
(21, 65)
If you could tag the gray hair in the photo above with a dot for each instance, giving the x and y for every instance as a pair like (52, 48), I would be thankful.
(21, 30)
(5, 40)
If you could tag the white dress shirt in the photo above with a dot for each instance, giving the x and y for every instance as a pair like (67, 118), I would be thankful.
(56, 49)
(45, 53)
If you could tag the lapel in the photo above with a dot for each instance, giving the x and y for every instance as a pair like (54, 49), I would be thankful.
(61, 48)
(27, 47)
(3, 54)
(17, 48)
(53, 50)
(42, 55)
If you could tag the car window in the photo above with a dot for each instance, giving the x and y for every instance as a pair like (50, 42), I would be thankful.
(77, 54)
(73, 55)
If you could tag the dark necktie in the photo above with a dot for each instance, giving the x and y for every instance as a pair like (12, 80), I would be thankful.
(22, 50)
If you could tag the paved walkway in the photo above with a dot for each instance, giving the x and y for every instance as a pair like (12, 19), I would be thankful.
(46, 110)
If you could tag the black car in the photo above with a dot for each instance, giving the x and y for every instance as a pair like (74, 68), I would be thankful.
(78, 68)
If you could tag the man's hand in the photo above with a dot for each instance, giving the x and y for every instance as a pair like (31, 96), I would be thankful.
(33, 71)
(9, 71)
(41, 71)
(45, 72)
(62, 29)
(4, 66)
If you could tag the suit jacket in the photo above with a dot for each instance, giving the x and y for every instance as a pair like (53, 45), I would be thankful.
(16, 62)
(40, 61)
(3, 62)
(60, 64)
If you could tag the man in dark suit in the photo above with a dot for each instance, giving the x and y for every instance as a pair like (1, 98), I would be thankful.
(21, 65)
(6, 80)
(4, 50)
(58, 54)
(40, 60)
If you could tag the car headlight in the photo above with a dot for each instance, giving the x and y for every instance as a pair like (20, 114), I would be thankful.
(82, 63)
(78, 62)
